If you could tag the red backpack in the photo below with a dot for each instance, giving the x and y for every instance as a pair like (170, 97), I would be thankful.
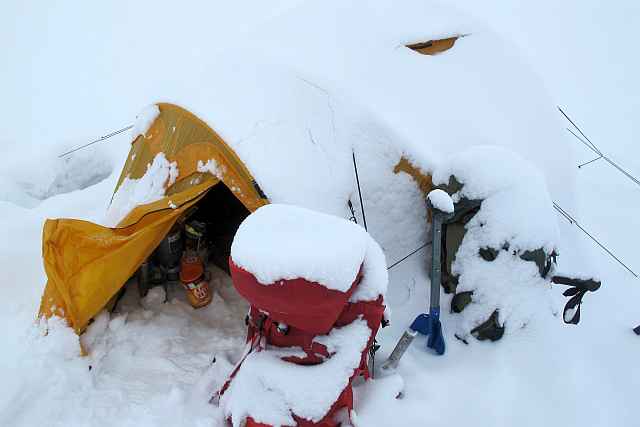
(297, 313)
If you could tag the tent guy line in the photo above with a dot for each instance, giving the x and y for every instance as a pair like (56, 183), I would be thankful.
(408, 255)
(589, 144)
(102, 138)
(573, 221)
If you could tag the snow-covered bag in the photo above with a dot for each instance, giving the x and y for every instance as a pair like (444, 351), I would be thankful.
(316, 286)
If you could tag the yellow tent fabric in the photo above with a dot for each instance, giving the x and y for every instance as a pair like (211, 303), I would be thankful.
(87, 264)
(433, 47)
(422, 179)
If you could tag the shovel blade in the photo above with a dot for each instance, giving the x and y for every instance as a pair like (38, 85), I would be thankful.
(429, 325)
(422, 324)
(436, 339)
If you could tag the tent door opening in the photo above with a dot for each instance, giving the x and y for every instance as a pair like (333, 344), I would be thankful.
(206, 229)
(222, 214)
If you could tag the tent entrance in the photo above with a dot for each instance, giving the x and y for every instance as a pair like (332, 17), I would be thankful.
(218, 214)
(222, 213)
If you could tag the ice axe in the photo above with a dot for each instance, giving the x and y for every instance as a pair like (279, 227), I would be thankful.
(441, 207)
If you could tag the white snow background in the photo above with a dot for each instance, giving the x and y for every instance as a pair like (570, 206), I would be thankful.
(256, 72)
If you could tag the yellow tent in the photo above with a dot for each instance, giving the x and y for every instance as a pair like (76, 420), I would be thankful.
(87, 264)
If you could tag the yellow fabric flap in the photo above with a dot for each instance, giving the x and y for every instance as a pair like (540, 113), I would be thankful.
(87, 264)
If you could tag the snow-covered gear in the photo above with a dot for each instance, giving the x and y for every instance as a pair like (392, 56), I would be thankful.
(309, 311)
(317, 303)
(476, 229)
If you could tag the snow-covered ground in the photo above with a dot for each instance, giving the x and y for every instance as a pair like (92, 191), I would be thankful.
(333, 75)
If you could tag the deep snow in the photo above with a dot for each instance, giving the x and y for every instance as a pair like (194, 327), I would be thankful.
(157, 371)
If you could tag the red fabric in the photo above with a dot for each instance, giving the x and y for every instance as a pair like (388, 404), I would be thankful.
(306, 305)
(293, 337)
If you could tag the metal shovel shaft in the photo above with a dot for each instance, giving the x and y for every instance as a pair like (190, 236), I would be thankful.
(436, 254)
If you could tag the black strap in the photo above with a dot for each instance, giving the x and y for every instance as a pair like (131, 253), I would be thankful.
(574, 303)
(578, 289)
(591, 285)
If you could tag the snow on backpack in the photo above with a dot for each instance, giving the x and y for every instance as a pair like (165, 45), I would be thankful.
(316, 286)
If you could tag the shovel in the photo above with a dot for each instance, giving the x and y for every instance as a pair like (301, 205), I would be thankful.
(427, 324)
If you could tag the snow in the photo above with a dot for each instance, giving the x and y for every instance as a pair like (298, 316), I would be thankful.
(27, 181)
(149, 188)
(507, 284)
(328, 78)
(287, 242)
(516, 207)
(375, 275)
(441, 200)
(568, 315)
(516, 213)
(210, 167)
(154, 297)
(144, 120)
(153, 364)
(269, 389)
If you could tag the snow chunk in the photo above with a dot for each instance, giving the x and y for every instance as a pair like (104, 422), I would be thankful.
(570, 313)
(60, 342)
(516, 206)
(211, 167)
(376, 275)
(154, 297)
(144, 120)
(95, 330)
(151, 187)
(510, 285)
(117, 323)
(287, 242)
(269, 389)
(441, 200)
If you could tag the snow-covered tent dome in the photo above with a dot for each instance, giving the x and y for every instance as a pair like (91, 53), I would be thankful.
(293, 119)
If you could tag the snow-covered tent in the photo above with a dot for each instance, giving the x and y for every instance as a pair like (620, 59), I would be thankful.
(346, 81)
(294, 124)
(175, 159)
(298, 150)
